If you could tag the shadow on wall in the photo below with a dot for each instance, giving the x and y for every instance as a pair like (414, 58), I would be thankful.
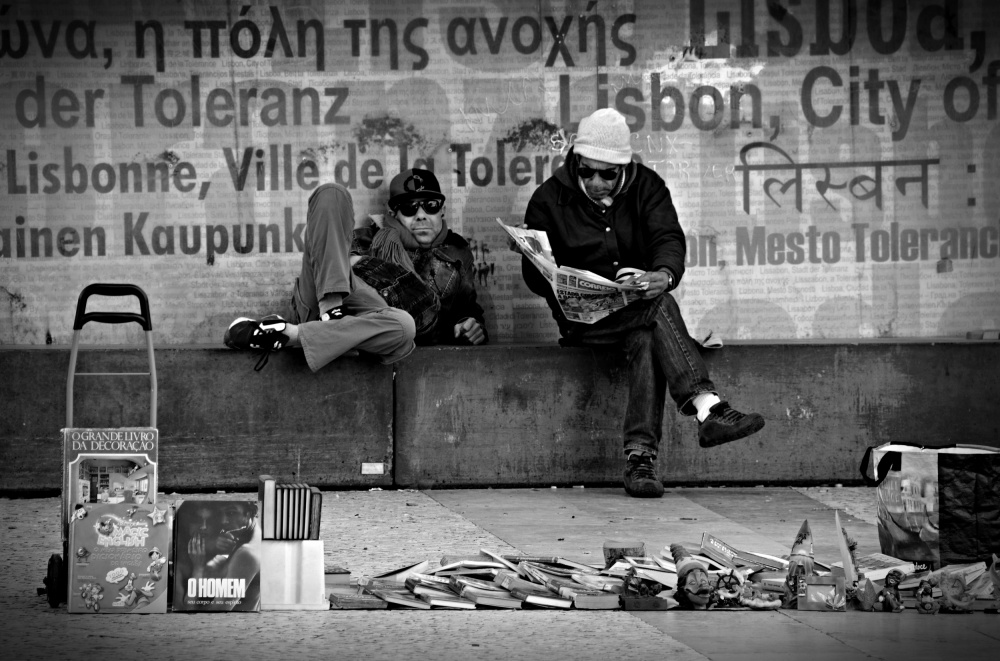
(975, 312)
(839, 317)
(748, 318)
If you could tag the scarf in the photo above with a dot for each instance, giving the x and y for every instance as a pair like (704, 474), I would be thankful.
(393, 243)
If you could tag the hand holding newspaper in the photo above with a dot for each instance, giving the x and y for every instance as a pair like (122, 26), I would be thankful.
(583, 296)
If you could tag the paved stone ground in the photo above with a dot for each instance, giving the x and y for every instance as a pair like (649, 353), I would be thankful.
(370, 532)
(856, 501)
(375, 531)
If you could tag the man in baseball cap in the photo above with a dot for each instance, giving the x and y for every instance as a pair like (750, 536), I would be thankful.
(419, 265)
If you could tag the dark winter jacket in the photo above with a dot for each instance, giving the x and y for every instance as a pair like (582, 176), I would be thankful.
(448, 269)
(639, 230)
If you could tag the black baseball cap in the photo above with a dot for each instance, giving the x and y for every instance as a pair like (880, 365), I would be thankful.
(414, 184)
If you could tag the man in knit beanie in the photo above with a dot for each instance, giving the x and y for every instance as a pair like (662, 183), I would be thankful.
(603, 212)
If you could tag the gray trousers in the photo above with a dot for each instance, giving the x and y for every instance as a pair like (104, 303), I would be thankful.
(371, 326)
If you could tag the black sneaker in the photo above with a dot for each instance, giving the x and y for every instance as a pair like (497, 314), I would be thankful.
(333, 314)
(264, 336)
(640, 477)
(725, 424)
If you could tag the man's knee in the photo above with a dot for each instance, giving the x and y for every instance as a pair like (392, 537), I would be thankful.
(407, 328)
(667, 304)
(639, 341)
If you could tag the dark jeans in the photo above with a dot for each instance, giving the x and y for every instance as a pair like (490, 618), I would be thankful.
(661, 355)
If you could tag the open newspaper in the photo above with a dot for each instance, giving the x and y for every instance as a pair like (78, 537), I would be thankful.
(584, 297)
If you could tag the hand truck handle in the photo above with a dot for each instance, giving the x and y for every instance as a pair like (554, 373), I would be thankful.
(83, 317)
(112, 289)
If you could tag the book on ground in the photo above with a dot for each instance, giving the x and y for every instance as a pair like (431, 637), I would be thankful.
(553, 564)
(596, 600)
(118, 558)
(649, 570)
(540, 596)
(458, 582)
(281, 512)
(582, 596)
(441, 599)
(335, 575)
(479, 566)
(266, 496)
(731, 558)
(353, 598)
(315, 512)
(403, 598)
(429, 580)
(490, 598)
(217, 551)
(537, 574)
(399, 576)
(499, 558)
(108, 466)
(603, 583)
(875, 566)
(509, 580)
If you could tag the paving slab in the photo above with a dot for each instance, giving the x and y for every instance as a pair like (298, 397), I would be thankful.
(375, 531)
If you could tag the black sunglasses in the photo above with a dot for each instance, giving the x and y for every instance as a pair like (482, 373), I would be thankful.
(410, 208)
(609, 174)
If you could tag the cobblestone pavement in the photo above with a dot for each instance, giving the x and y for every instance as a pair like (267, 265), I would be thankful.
(375, 531)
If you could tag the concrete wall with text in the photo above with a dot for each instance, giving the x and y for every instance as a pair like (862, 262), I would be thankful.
(834, 162)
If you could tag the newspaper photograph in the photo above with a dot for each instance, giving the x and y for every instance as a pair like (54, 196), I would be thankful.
(583, 296)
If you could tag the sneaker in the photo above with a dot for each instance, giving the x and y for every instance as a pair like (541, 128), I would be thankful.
(333, 314)
(640, 477)
(264, 336)
(725, 424)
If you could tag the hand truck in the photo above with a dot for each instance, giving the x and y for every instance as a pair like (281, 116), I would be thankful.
(56, 579)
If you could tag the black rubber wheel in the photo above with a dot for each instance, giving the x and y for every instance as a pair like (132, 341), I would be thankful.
(55, 581)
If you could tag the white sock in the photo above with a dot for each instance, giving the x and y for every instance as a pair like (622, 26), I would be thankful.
(292, 331)
(703, 402)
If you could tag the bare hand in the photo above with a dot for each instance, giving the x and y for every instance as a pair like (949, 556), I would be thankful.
(470, 330)
(657, 281)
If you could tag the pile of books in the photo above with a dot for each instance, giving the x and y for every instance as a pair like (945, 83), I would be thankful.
(490, 580)
(289, 510)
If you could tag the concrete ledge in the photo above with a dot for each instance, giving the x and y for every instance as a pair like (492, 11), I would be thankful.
(494, 415)
(221, 424)
(545, 415)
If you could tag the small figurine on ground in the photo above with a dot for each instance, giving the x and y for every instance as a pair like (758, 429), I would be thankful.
(694, 590)
(889, 597)
(926, 603)
(800, 565)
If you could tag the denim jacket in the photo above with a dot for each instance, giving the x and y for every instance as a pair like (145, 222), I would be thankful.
(448, 271)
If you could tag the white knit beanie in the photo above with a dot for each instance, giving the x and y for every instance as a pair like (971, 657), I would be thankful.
(604, 136)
